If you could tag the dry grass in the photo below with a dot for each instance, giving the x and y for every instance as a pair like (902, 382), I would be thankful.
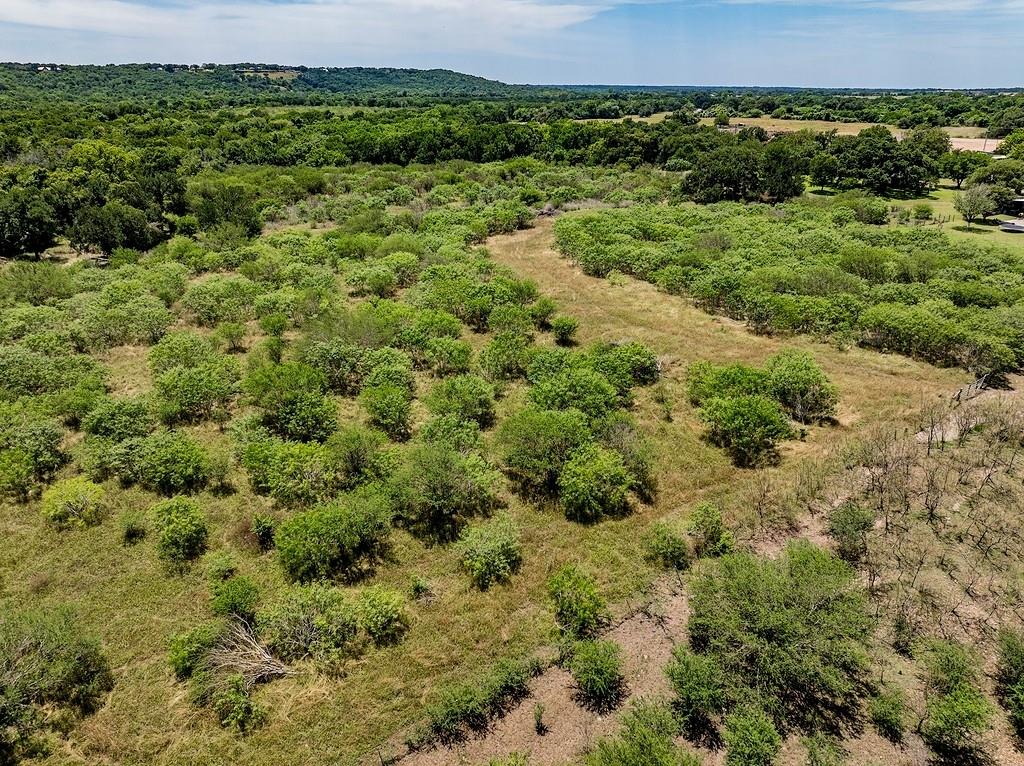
(126, 596)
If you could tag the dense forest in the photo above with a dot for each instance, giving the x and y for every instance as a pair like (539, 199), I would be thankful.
(394, 416)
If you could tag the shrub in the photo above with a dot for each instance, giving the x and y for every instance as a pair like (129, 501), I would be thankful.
(75, 502)
(448, 356)
(564, 329)
(505, 357)
(596, 666)
(187, 651)
(315, 621)
(238, 596)
(813, 668)
(708, 531)
(468, 397)
(593, 484)
(48, 666)
(581, 389)
(706, 381)
(382, 615)
(181, 529)
(542, 310)
(191, 394)
(437, 490)
(389, 408)
(292, 401)
(472, 706)
(698, 685)
(1010, 675)
(619, 432)
(579, 608)
(888, 712)
(491, 552)
(848, 525)
(823, 750)
(355, 455)
(340, 539)
(169, 462)
(750, 738)
(647, 738)
(667, 546)
(536, 444)
(235, 708)
(799, 385)
(186, 348)
(748, 427)
(451, 431)
(118, 419)
(263, 528)
(957, 712)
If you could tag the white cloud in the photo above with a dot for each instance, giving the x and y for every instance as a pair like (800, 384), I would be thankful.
(221, 28)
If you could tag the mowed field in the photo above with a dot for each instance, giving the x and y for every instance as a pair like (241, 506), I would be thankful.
(127, 600)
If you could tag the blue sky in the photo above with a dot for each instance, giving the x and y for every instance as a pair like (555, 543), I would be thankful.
(847, 43)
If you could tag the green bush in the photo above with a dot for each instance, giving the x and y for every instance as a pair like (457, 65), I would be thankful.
(667, 546)
(382, 614)
(453, 432)
(579, 609)
(957, 712)
(593, 484)
(748, 427)
(471, 706)
(491, 552)
(505, 357)
(437, 490)
(75, 502)
(181, 529)
(389, 408)
(708, 531)
(1010, 675)
(235, 708)
(468, 397)
(341, 539)
(542, 310)
(315, 621)
(751, 738)
(292, 401)
(813, 668)
(698, 685)
(576, 388)
(706, 381)
(237, 596)
(187, 651)
(647, 738)
(849, 525)
(564, 329)
(888, 712)
(799, 385)
(185, 348)
(596, 667)
(168, 462)
(620, 433)
(448, 356)
(49, 666)
(535, 445)
(191, 394)
(118, 419)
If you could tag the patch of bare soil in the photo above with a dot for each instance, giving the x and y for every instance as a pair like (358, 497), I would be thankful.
(647, 636)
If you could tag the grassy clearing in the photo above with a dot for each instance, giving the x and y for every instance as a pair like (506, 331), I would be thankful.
(950, 221)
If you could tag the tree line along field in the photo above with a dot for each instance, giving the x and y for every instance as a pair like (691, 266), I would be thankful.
(319, 445)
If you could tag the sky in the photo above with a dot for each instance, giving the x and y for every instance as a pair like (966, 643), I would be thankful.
(823, 43)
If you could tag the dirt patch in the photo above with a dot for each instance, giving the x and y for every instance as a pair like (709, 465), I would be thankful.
(647, 636)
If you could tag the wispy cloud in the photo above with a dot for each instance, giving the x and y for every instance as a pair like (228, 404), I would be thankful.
(405, 24)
